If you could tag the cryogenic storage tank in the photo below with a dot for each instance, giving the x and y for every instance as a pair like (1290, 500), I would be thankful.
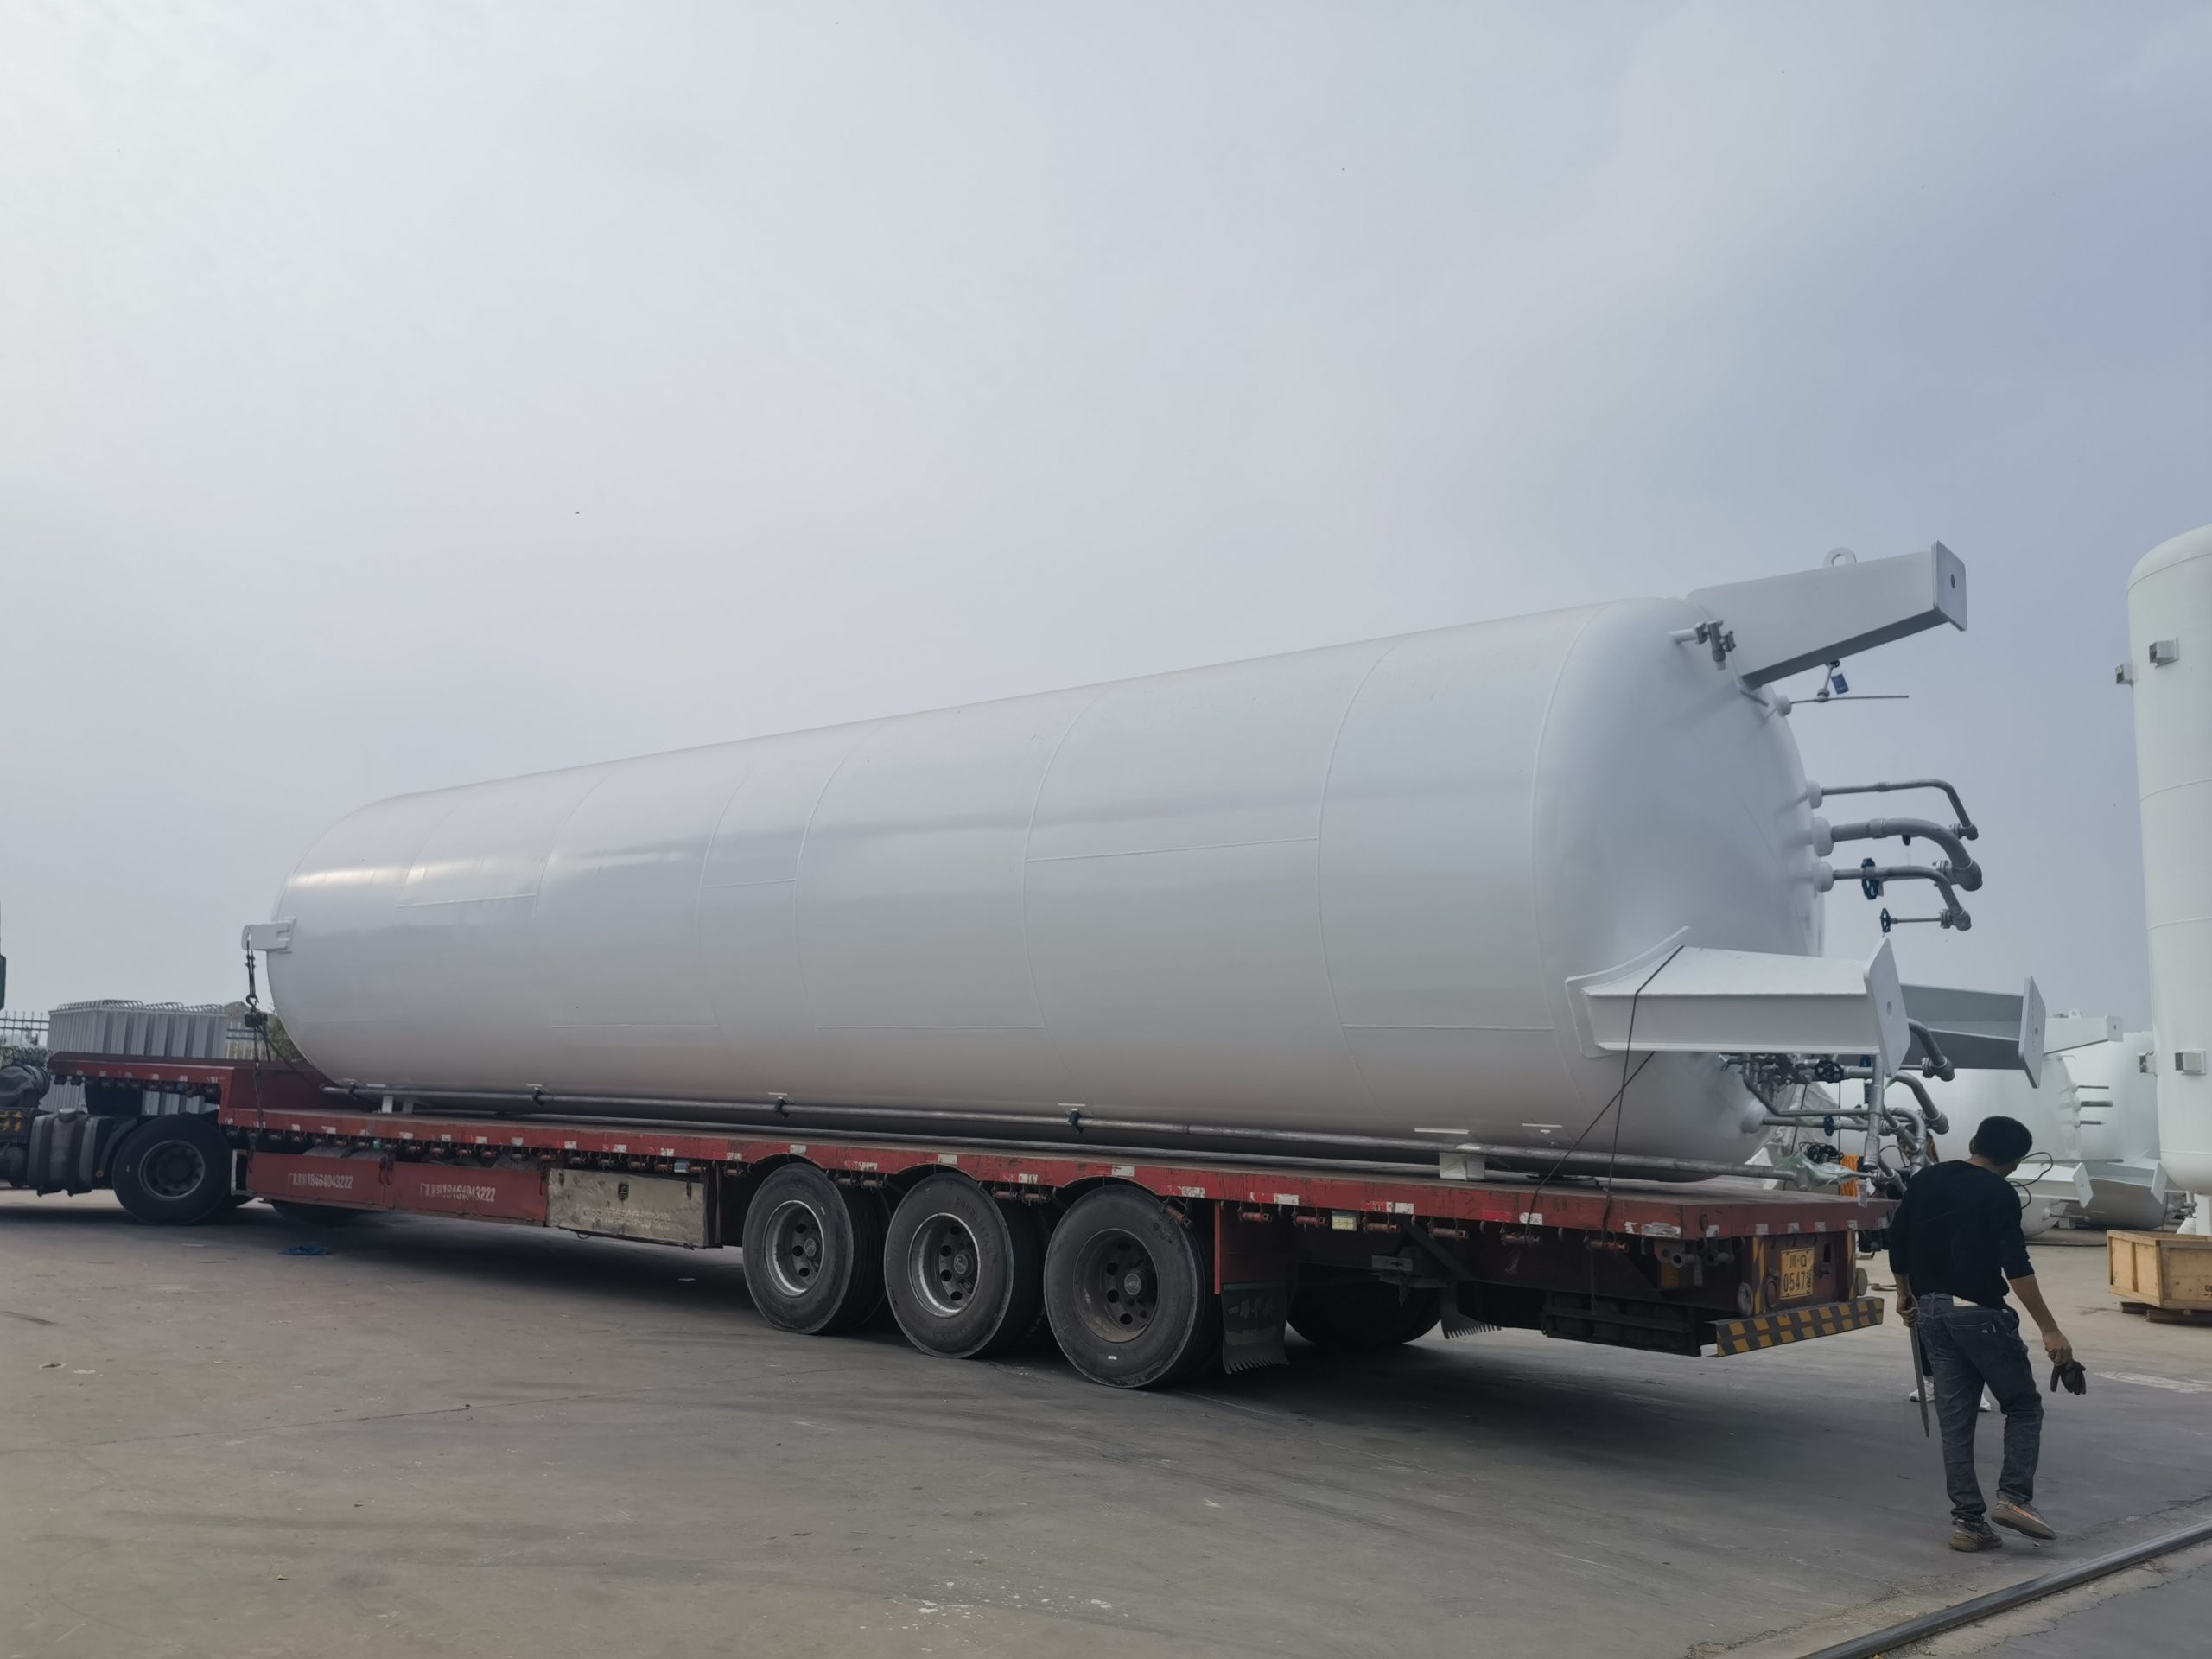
(1364, 888)
(2170, 665)
(2116, 1099)
(2118, 1181)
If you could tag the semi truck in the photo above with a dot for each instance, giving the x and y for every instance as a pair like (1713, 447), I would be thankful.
(1447, 980)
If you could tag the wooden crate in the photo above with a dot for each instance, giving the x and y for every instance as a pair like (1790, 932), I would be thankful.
(2162, 1271)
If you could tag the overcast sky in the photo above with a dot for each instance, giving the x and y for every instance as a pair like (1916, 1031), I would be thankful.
(398, 395)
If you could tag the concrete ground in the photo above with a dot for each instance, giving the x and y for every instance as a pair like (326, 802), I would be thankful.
(445, 1439)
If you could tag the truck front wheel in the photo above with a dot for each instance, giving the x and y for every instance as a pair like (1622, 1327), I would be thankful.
(173, 1171)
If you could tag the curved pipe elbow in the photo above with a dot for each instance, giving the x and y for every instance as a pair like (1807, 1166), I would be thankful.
(1964, 872)
(1931, 1056)
(1930, 1114)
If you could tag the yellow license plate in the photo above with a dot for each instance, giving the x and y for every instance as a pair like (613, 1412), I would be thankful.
(1797, 1273)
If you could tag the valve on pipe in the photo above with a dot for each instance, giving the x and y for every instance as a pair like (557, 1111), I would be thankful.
(1961, 868)
(1872, 878)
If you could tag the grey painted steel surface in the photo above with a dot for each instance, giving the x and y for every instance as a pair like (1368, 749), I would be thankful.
(1339, 889)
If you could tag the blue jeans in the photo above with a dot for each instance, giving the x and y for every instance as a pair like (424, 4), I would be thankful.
(1968, 1348)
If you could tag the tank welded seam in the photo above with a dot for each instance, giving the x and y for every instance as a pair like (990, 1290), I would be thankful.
(887, 1025)
(798, 869)
(1563, 1027)
(1320, 911)
(1028, 954)
(636, 1025)
(479, 899)
(1430, 1026)
(414, 863)
(2168, 789)
(1152, 851)
(711, 988)
(721, 813)
(607, 770)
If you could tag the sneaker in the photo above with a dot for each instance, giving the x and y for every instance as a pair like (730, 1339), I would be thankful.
(2022, 1519)
(1971, 1538)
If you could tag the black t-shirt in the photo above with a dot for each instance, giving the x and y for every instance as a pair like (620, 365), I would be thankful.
(1958, 1230)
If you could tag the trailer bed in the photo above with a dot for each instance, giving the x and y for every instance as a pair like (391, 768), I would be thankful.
(1724, 1266)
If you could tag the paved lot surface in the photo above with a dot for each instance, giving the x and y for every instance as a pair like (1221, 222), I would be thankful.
(453, 1440)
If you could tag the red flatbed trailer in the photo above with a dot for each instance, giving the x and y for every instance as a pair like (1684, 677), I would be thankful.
(1353, 1256)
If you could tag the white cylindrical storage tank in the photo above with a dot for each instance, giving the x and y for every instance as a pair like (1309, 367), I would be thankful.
(2170, 653)
(2117, 1098)
(1339, 890)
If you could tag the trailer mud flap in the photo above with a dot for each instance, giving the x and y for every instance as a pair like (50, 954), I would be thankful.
(1251, 1326)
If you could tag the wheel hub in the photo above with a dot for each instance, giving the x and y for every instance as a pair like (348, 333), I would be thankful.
(1117, 1287)
(795, 1247)
(172, 1170)
(945, 1264)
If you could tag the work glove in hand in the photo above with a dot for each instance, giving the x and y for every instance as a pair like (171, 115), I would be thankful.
(2075, 1379)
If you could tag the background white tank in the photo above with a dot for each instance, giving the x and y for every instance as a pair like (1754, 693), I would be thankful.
(2046, 1181)
(2118, 1181)
(1342, 890)
(2170, 661)
(2116, 1098)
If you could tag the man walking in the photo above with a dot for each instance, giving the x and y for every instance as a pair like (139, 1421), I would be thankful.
(1954, 1245)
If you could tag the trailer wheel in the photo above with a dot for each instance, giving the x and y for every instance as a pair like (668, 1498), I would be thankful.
(1364, 1318)
(1129, 1288)
(813, 1252)
(963, 1271)
(173, 1171)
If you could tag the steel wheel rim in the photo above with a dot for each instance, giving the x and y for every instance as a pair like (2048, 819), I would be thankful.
(796, 1247)
(174, 1169)
(1116, 1286)
(944, 1263)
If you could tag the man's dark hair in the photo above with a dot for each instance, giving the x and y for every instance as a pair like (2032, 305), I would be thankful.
(2001, 1140)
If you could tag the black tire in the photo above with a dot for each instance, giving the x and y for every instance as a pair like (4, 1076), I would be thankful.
(173, 1171)
(1364, 1318)
(315, 1215)
(813, 1252)
(1130, 1290)
(964, 1271)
